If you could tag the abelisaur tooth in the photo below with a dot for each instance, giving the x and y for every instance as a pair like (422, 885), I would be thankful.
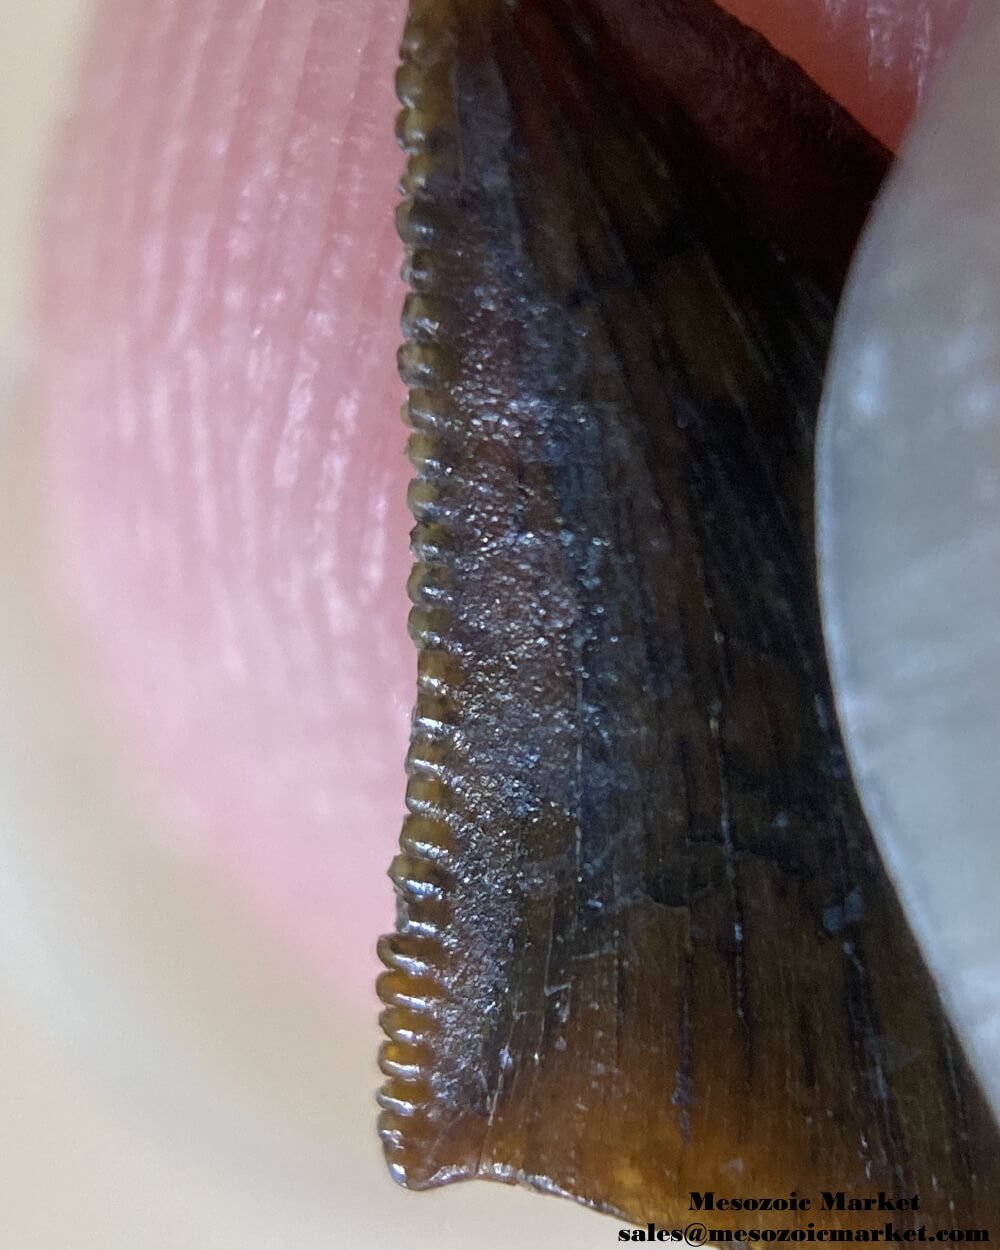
(634, 815)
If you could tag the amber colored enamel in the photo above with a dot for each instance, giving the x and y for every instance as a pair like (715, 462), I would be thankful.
(646, 945)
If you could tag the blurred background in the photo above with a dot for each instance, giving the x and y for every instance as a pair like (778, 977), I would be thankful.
(169, 1077)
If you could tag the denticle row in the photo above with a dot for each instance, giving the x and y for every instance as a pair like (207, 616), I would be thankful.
(414, 986)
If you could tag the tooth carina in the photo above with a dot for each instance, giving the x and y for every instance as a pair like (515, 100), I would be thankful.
(646, 945)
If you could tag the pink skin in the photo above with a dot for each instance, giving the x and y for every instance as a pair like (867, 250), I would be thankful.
(219, 323)
(875, 56)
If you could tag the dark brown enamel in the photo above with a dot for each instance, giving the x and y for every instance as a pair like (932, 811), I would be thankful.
(645, 943)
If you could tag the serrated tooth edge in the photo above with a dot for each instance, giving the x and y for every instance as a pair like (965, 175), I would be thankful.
(415, 986)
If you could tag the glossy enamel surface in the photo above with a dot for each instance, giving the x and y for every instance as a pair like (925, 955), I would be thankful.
(645, 944)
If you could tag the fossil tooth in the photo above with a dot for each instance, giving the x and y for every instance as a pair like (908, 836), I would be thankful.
(645, 943)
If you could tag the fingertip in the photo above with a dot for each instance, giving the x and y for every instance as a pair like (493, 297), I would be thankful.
(909, 532)
(225, 453)
(876, 59)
